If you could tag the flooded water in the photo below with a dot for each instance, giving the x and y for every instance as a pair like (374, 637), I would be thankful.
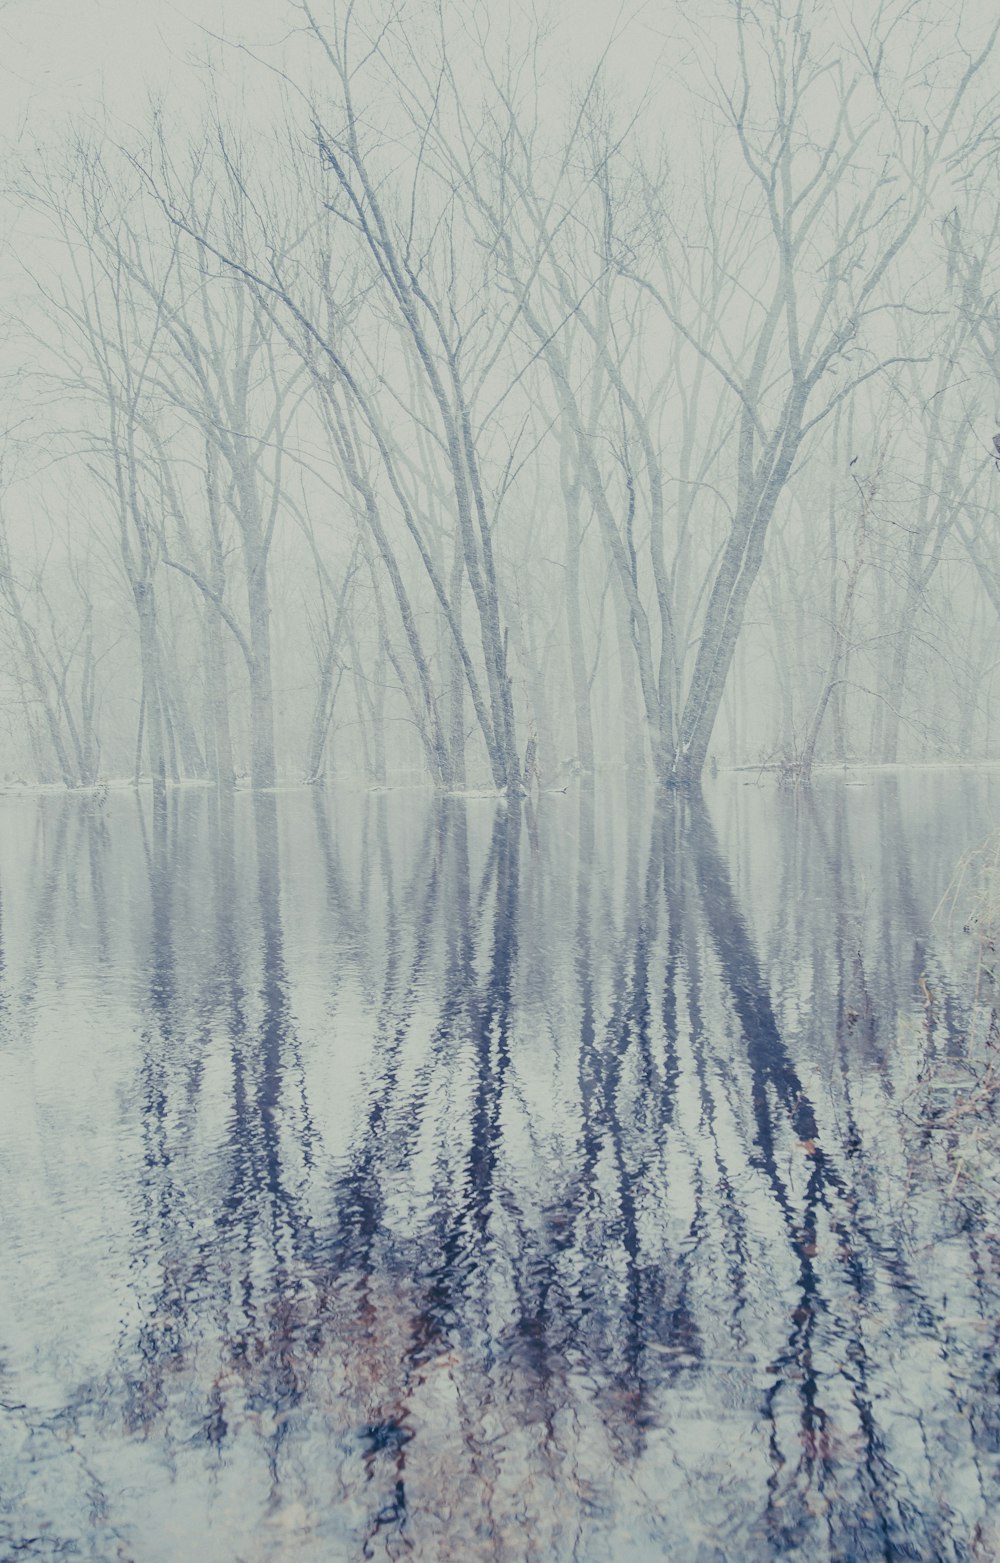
(390, 1176)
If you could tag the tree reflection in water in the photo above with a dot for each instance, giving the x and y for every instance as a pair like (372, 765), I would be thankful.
(459, 1179)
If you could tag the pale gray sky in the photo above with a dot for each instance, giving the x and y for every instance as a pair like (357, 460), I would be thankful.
(63, 58)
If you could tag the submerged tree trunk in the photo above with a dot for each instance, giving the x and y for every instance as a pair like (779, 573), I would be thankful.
(743, 554)
(456, 681)
(575, 648)
(218, 734)
(262, 764)
(152, 705)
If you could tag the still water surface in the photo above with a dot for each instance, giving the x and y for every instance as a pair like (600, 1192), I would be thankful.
(397, 1177)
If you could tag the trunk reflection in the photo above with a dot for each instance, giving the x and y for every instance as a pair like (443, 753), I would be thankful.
(499, 1188)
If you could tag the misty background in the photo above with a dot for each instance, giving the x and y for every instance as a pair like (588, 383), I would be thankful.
(413, 393)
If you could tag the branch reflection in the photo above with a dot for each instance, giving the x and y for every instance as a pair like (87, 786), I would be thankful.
(506, 1194)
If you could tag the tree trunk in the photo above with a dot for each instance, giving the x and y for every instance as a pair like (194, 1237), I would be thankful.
(737, 572)
(456, 689)
(218, 734)
(262, 767)
(582, 712)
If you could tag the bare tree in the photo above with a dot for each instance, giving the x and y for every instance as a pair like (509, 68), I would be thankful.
(826, 216)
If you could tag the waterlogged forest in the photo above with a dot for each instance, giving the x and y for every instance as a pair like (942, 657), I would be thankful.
(388, 399)
(499, 851)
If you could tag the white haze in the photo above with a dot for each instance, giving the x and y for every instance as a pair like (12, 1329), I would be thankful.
(606, 369)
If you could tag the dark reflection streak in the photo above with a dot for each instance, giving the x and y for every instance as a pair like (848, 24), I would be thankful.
(531, 809)
(455, 843)
(550, 1313)
(836, 857)
(465, 1240)
(5, 997)
(159, 1198)
(837, 860)
(155, 856)
(72, 888)
(878, 1476)
(51, 853)
(487, 880)
(236, 1210)
(477, 1221)
(445, 901)
(274, 998)
(984, 1410)
(793, 877)
(448, 1276)
(346, 929)
(291, 1235)
(910, 927)
(230, 990)
(771, 1067)
(941, 1018)
(279, 1047)
(683, 936)
(98, 847)
(602, 1058)
(586, 1066)
(263, 1208)
(629, 1029)
(640, 1020)
(427, 860)
(357, 1192)
(159, 962)
(448, 1301)
(360, 1201)
(378, 851)
(672, 867)
(167, 868)
(531, 1378)
(367, 878)
(589, 1065)
(417, 908)
(360, 1198)
(769, 1064)
(357, 1197)
(491, 1036)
